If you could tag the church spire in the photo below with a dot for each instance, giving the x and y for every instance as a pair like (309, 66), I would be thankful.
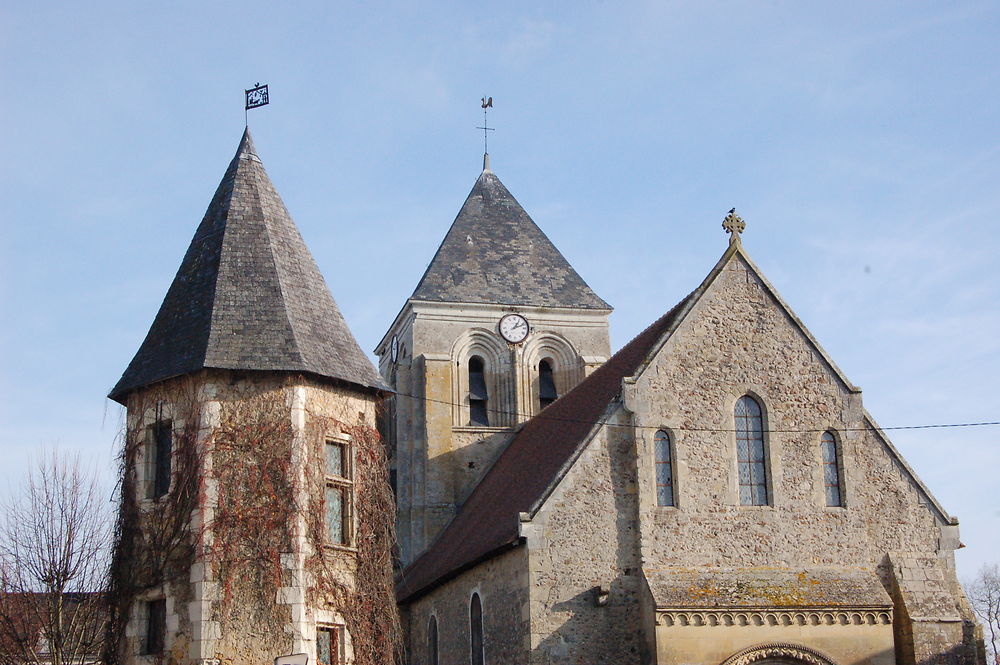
(248, 295)
(494, 253)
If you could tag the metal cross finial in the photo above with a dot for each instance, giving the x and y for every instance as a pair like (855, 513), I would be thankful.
(487, 103)
(734, 224)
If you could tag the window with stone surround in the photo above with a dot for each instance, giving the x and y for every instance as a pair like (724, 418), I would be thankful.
(664, 469)
(155, 633)
(159, 450)
(478, 396)
(339, 498)
(751, 457)
(477, 655)
(432, 641)
(546, 384)
(831, 469)
(330, 645)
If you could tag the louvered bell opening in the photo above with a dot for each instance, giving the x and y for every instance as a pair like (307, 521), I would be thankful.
(477, 380)
(546, 382)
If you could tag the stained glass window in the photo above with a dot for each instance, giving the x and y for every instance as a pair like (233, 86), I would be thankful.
(664, 470)
(751, 462)
(831, 469)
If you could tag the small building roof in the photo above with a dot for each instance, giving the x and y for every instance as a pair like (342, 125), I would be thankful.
(519, 480)
(248, 296)
(494, 253)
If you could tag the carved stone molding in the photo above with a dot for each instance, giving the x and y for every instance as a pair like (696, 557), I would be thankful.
(778, 650)
(731, 617)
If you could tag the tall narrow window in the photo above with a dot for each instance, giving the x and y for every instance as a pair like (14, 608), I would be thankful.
(328, 645)
(751, 464)
(477, 655)
(546, 384)
(478, 397)
(156, 627)
(831, 469)
(159, 449)
(432, 641)
(664, 469)
(339, 492)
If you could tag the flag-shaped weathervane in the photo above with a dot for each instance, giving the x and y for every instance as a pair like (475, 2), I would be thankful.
(256, 96)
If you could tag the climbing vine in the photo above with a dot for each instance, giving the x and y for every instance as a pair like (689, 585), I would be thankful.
(247, 499)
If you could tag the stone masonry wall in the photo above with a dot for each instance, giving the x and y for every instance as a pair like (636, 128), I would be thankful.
(738, 340)
(583, 543)
(502, 584)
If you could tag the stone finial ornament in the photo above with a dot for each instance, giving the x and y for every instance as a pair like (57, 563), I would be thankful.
(734, 225)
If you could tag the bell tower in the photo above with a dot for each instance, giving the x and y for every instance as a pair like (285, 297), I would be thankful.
(498, 327)
(255, 515)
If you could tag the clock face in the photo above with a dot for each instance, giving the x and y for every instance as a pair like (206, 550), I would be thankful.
(394, 349)
(513, 328)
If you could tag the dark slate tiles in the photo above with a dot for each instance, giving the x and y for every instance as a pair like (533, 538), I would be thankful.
(248, 296)
(494, 253)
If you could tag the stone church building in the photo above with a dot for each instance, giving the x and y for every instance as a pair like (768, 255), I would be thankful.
(713, 493)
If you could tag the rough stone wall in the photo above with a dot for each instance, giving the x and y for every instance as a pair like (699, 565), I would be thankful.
(202, 622)
(502, 584)
(738, 340)
(583, 543)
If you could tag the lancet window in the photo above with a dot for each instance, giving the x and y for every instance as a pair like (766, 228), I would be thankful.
(750, 452)
(831, 469)
(664, 469)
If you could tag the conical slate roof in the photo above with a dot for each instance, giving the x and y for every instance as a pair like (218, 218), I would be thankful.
(248, 296)
(494, 253)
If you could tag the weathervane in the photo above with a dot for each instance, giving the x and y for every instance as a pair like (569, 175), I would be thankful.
(487, 103)
(255, 96)
(734, 224)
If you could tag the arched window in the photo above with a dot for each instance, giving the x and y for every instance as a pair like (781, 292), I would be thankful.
(478, 397)
(664, 469)
(476, 654)
(831, 469)
(546, 384)
(751, 463)
(432, 641)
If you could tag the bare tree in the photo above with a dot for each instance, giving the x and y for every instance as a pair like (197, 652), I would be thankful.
(54, 542)
(984, 594)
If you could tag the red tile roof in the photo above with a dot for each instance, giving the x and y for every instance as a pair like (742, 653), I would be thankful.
(488, 522)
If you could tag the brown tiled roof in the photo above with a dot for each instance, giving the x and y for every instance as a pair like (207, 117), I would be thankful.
(488, 521)
(248, 296)
(494, 253)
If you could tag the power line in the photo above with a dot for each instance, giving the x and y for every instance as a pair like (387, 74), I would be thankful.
(543, 416)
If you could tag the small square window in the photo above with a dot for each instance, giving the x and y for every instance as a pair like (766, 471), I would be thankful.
(329, 645)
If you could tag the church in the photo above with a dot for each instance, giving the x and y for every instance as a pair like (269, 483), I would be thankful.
(713, 493)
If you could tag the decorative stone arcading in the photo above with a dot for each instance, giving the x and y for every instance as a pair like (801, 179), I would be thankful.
(778, 650)
(730, 617)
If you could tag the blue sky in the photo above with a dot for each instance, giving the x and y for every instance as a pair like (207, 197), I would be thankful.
(858, 140)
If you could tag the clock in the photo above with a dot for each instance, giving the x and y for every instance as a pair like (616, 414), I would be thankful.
(513, 328)
(394, 349)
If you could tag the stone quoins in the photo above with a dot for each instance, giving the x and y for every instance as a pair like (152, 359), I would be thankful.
(771, 618)
(781, 651)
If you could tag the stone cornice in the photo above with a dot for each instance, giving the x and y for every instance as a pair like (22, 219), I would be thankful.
(743, 616)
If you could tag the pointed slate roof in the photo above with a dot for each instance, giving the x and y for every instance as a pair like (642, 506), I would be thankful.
(248, 296)
(494, 253)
